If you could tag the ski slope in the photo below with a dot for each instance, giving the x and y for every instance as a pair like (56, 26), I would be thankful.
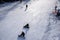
(43, 25)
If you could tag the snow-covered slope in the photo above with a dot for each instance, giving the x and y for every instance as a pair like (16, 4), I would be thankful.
(12, 21)
(42, 24)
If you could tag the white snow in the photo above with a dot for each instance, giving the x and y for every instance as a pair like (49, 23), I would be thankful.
(41, 23)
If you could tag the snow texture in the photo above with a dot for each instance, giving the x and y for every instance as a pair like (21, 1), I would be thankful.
(43, 24)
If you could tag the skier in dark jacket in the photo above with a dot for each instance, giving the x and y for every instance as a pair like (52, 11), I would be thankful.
(22, 35)
(26, 7)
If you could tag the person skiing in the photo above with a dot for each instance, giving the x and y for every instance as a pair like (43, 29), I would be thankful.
(56, 11)
(22, 35)
(26, 26)
(26, 7)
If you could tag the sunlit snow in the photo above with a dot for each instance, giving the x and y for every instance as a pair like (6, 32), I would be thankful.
(43, 24)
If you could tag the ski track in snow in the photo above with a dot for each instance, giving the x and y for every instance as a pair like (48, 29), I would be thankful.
(43, 24)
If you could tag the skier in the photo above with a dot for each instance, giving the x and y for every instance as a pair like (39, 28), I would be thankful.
(26, 26)
(56, 11)
(26, 7)
(25, 29)
(22, 35)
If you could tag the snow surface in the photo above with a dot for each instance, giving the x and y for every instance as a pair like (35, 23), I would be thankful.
(43, 25)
